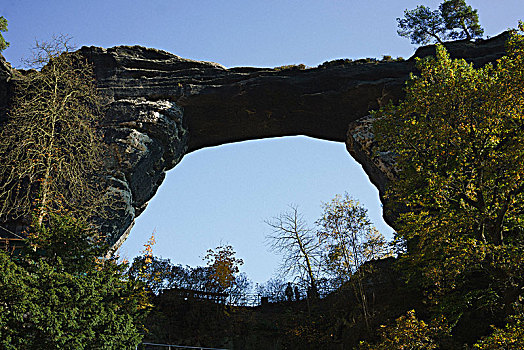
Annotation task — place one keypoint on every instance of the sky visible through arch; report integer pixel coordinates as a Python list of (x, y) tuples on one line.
[(223, 194)]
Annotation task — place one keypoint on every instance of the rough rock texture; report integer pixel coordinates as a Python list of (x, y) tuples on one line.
[(161, 106), (146, 138), (6, 74), (360, 143)]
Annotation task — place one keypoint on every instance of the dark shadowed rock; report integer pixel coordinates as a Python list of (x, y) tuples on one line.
[(161, 106), (6, 74)]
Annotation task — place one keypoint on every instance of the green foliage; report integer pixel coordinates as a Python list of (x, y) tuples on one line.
[(350, 62), (421, 25), (67, 241), (220, 276), (410, 333), (58, 292), (3, 28), (60, 296), (458, 15), (338, 62), (291, 67), (458, 137), (350, 240), (511, 337), (453, 20), (349, 237), (470, 168), (155, 273)]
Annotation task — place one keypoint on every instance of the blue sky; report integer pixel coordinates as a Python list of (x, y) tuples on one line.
[(222, 195)]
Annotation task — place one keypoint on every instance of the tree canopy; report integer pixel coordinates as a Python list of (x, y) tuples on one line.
[(461, 20), (421, 25), (458, 137), (58, 291), (351, 240), (349, 237), (61, 295), (3, 28), (224, 266), (453, 20), (470, 167)]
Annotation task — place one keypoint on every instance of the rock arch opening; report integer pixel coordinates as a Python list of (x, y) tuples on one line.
[(162, 107), (223, 194)]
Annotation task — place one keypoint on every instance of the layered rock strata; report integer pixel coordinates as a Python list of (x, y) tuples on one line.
[(161, 106)]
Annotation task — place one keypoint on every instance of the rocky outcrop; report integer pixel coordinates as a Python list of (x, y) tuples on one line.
[(360, 143), (6, 74), (145, 138), (161, 106)]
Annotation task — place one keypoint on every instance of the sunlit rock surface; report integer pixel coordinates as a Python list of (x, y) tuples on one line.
[(161, 106), (146, 138)]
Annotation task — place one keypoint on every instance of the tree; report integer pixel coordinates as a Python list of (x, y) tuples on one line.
[(238, 292), (60, 296), (471, 165), (65, 241), (49, 149), (459, 140), (453, 20), (458, 15), (410, 333), (157, 273), (273, 289), (351, 240), (57, 292), (223, 265), (511, 337), (349, 236), (223, 274), (421, 25), (199, 278), (3, 28), (297, 242)]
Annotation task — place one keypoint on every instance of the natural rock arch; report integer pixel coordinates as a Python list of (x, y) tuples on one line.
[(161, 106)]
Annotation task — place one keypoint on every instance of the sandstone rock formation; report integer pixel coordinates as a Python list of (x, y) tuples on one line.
[(6, 74), (161, 106)]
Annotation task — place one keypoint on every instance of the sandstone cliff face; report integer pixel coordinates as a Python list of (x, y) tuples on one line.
[(146, 138), (6, 74), (161, 106)]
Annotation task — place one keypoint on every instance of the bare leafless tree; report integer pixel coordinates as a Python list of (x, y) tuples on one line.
[(298, 244), (49, 149)]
